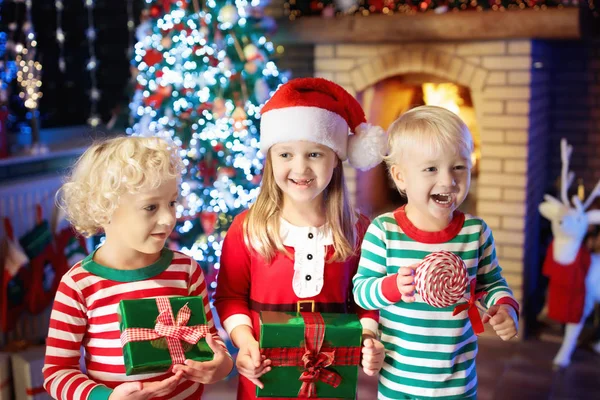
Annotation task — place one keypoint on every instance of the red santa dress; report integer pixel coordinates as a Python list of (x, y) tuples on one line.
[(247, 284)]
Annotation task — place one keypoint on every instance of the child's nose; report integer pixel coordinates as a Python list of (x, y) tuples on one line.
[(300, 165), (167, 218), (448, 179)]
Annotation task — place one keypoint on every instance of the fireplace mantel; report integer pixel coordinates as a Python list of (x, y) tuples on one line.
[(560, 23)]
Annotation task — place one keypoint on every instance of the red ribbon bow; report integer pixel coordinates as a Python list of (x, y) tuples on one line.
[(315, 361), (313, 357), (174, 331), (473, 313)]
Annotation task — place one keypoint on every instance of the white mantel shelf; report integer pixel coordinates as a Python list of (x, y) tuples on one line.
[(559, 23)]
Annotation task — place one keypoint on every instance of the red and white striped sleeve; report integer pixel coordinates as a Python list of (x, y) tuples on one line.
[(63, 378), (198, 287)]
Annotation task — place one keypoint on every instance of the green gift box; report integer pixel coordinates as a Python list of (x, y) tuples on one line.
[(152, 343), (331, 372)]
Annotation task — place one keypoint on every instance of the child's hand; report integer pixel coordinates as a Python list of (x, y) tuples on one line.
[(406, 282), (145, 390), (373, 354), (503, 318), (207, 372), (251, 364)]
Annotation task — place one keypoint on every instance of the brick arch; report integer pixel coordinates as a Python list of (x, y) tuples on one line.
[(438, 63)]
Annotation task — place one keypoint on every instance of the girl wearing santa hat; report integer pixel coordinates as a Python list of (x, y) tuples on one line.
[(297, 247)]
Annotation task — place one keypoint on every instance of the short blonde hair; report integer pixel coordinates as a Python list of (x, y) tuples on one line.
[(430, 127), (261, 226), (110, 168)]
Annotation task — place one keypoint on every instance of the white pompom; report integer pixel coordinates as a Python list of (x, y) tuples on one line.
[(367, 147)]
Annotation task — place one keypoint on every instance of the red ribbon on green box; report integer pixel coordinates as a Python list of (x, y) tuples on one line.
[(174, 330), (314, 357)]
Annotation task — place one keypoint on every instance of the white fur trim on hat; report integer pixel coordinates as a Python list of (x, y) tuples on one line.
[(312, 124), (367, 147)]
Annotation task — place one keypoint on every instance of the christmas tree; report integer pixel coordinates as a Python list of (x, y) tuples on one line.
[(203, 71)]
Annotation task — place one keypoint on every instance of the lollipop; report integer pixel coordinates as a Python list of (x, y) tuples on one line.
[(441, 279)]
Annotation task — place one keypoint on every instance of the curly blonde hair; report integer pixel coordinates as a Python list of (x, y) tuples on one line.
[(110, 168)]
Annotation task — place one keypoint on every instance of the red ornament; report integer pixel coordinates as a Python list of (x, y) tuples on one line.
[(213, 61), (256, 179), (202, 107), (227, 171), (152, 57), (155, 11), (159, 73), (207, 170), (167, 5), (218, 147), (208, 219), (154, 100)]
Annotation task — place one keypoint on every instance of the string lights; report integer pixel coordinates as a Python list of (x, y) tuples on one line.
[(130, 28), (92, 65), (29, 70), (60, 35)]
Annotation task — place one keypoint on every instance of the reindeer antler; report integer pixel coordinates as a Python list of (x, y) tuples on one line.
[(595, 193), (566, 176)]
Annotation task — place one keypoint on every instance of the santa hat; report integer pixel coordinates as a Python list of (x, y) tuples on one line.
[(320, 111)]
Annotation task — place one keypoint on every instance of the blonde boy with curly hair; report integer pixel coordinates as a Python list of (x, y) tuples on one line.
[(127, 188)]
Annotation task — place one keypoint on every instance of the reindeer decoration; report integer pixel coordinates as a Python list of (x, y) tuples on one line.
[(574, 273)]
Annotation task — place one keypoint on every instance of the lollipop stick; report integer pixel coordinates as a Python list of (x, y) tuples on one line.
[(482, 308)]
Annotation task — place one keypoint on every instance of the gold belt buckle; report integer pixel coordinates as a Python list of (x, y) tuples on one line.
[(300, 303)]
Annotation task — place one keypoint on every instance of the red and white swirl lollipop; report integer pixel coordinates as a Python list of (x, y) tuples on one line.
[(441, 279)]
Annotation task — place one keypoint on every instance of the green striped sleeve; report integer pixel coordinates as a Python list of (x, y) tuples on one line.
[(489, 272), (372, 269)]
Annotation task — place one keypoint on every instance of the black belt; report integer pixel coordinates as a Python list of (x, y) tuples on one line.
[(301, 306)]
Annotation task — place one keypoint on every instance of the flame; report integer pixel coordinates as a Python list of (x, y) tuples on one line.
[(447, 95), (442, 95)]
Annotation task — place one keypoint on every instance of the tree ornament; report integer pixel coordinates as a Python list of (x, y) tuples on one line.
[(229, 14), (152, 57), (219, 109), (208, 219), (207, 171), (155, 11), (251, 52), (239, 115), (251, 67), (166, 42)]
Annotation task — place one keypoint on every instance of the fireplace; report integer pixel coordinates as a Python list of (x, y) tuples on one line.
[(524, 83), (497, 76)]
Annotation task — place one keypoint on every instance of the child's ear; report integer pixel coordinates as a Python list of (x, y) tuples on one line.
[(398, 176)]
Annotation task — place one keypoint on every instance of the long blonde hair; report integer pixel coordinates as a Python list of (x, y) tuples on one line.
[(261, 227)]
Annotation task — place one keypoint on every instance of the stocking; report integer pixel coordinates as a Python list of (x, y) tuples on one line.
[(14, 280), (73, 247), (47, 265)]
